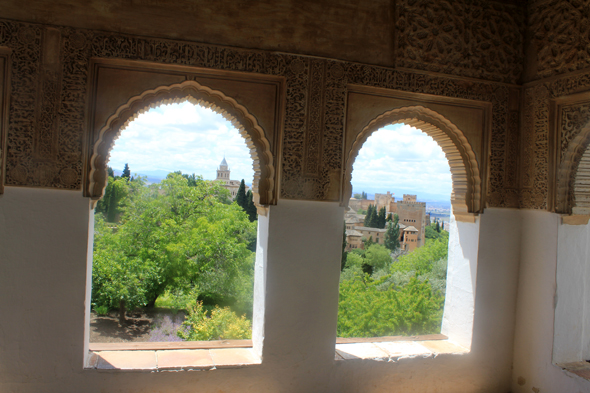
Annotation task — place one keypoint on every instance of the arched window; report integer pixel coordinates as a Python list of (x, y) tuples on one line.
[(262, 184), (465, 195)]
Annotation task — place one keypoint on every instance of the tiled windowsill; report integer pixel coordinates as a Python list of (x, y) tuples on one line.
[(209, 355), (172, 359), (392, 349), (581, 369)]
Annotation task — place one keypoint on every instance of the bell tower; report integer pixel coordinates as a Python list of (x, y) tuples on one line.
[(223, 171)]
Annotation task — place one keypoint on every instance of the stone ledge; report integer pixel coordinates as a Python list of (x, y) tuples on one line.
[(396, 350), (172, 359)]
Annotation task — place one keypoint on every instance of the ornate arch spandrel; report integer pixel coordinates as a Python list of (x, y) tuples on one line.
[(573, 180), (263, 184), (465, 174)]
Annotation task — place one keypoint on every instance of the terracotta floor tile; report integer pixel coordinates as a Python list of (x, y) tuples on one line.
[(361, 351), (234, 357), (127, 360), (184, 358), (443, 346)]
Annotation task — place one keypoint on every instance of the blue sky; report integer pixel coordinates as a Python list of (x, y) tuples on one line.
[(403, 160), (183, 137), (193, 139)]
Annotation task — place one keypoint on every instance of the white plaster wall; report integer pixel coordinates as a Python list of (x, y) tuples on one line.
[(43, 249), (533, 341), (461, 275), (571, 313)]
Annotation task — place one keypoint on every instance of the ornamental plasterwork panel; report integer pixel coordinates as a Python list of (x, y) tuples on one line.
[(48, 107), (573, 138), (545, 142), (4, 86), (480, 39), (560, 35)]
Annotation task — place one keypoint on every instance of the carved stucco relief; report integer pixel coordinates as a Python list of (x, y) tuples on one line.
[(264, 182), (465, 172), (536, 152), (560, 35), (480, 39), (574, 134), (316, 91), (535, 148)]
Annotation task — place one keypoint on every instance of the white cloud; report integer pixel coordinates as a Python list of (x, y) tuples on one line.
[(194, 139), (184, 137), (402, 159)]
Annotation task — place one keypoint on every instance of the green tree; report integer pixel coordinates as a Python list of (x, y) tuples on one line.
[(363, 195), (377, 256), (357, 196), (372, 219), (381, 218), (367, 309), (368, 216), (116, 191), (251, 208), (392, 234), (430, 232), (437, 226), (173, 236), (241, 199), (126, 172), (368, 242), (344, 253)]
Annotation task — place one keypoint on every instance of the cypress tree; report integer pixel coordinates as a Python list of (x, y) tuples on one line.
[(381, 218), (374, 218), (437, 226), (241, 196), (126, 172), (110, 172), (251, 209), (392, 234), (368, 216)]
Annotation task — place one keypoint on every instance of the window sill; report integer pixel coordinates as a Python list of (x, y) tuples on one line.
[(393, 349), (156, 360)]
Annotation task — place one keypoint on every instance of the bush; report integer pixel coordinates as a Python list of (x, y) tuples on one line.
[(366, 309), (221, 324), (101, 310)]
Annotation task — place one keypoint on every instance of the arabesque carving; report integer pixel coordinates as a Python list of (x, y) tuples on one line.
[(481, 39), (573, 193), (311, 149), (465, 173), (264, 183), (560, 31)]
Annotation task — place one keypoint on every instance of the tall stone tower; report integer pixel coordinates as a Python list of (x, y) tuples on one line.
[(223, 172)]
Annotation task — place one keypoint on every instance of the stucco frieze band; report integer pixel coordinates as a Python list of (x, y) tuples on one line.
[(312, 141)]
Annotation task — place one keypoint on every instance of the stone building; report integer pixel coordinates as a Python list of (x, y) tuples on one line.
[(409, 210), (223, 174), (502, 85)]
